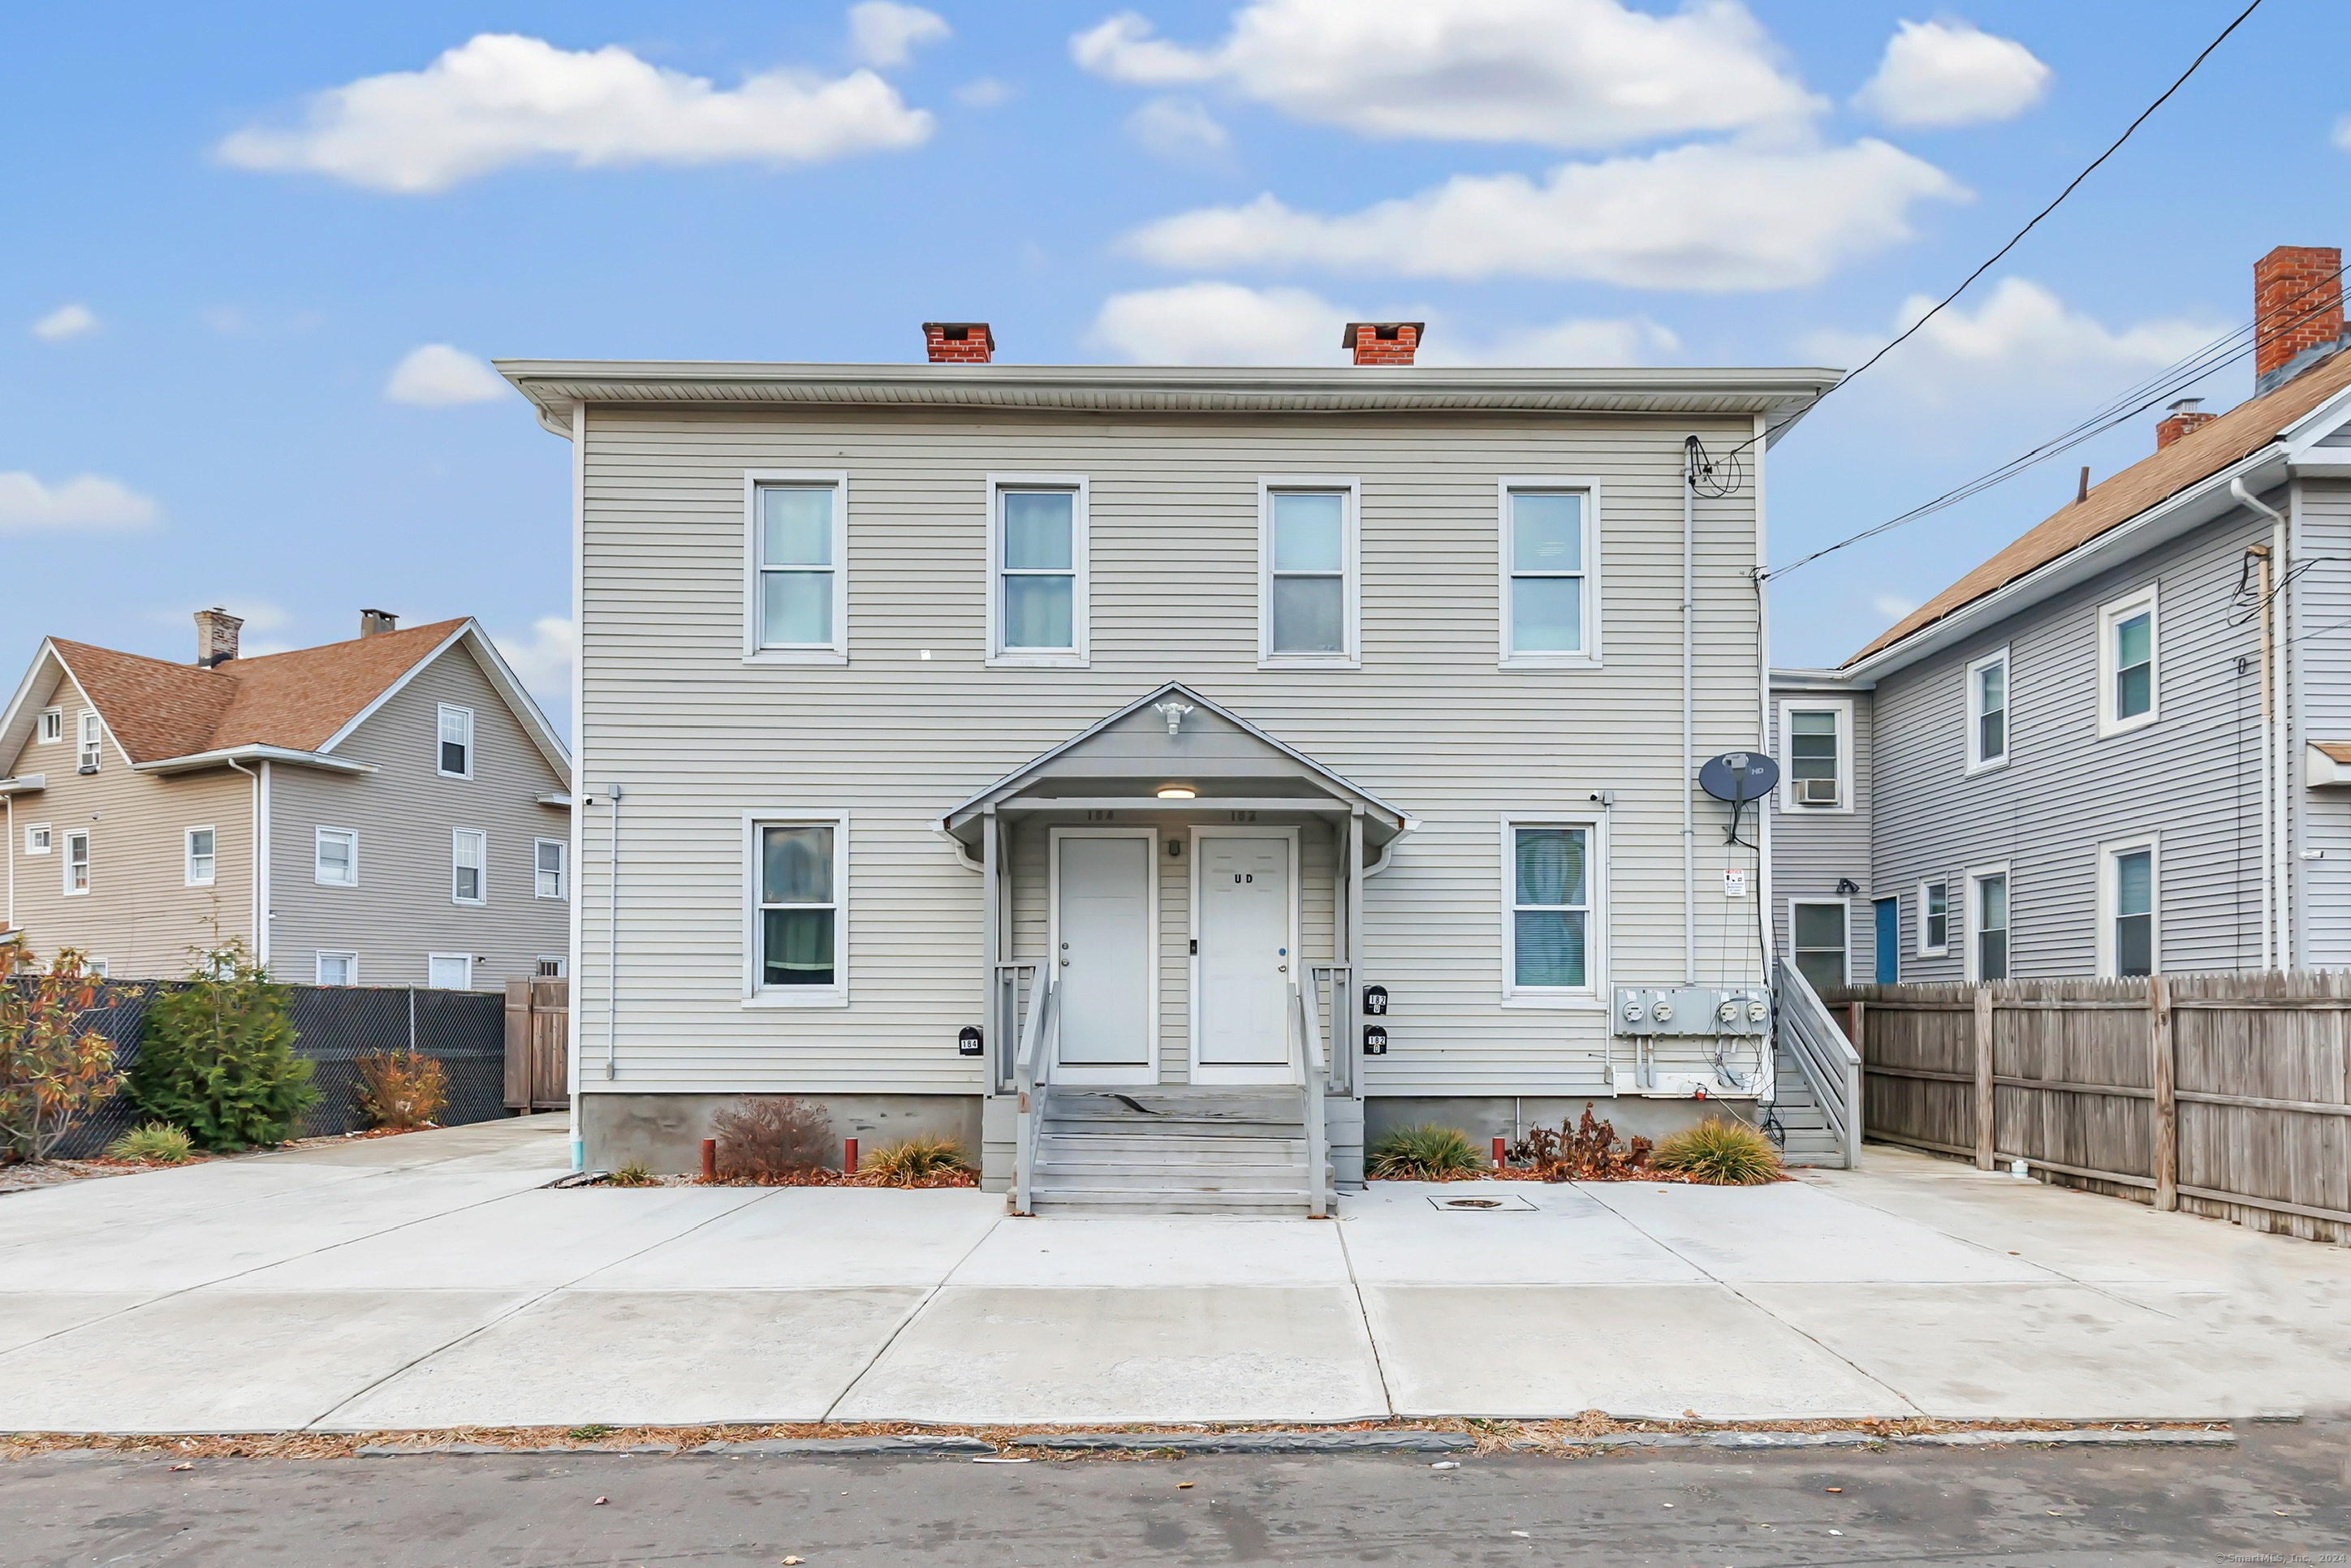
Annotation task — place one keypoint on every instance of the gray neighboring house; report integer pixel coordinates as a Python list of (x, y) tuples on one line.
[(412, 804), (2123, 744), (910, 693)]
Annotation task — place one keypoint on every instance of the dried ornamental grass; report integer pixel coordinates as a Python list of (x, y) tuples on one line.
[(1580, 1151), (912, 1160), (152, 1143), (1422, 1152), (1723, 1153), (402, 1090)]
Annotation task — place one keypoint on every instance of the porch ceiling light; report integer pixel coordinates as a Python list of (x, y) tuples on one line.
[(1179, 792)]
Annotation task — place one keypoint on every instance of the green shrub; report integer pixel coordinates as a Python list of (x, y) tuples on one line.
[(154, 1143), (1726, 1153), (636, 1173), (1422, 1152), (914, 1160), (218, 1056)]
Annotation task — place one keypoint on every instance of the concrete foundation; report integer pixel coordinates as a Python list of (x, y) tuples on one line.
[(1488, 1116), (665, 1131)]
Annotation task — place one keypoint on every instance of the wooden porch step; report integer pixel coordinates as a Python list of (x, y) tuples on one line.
[(1292, 1203)]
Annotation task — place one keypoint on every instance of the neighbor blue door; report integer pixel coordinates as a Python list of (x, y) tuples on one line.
[(1889, 940)]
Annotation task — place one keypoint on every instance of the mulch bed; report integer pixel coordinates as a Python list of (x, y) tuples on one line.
[(799, 1179)]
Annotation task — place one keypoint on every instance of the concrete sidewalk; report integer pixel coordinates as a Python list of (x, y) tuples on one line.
[(429, 1281)]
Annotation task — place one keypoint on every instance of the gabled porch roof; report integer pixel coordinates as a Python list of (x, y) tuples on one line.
[(1176, 738)]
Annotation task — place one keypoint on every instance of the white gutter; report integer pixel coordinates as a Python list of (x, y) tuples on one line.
[(233, 755), (2277, 923), (1689, 712)]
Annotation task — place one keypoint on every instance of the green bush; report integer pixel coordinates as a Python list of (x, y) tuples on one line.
[(154, 1143), (1422, 1152), (636, 1173), (218, 1056), (1726, 1153)]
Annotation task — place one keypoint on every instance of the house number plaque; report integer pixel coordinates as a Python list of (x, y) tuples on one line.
[(1375, 1001), (967, 1041), (1375, 1040)]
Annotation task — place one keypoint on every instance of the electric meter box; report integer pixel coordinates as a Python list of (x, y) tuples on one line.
[(1685, 1010)]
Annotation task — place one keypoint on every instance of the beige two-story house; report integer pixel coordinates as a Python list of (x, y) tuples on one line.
[(409, 802)]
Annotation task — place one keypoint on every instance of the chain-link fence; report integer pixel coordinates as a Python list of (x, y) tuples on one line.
[(334, 1026)]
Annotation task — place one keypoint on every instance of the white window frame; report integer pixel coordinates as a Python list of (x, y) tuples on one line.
[(440, 723), (1843, 708), (51, 729), (45, 844), (89, 740), (83, 834), (1081, 656), (319, 968), (1845, 926), (319, 835), (2111, 615), (539, 962), (1351, 653), (2110, 901), (797, 996), (465, 959), (1592, 996), (98, 968), (837, 650), (457, 836), (562, 868), (1973, 702), (188, 857), (1589, 657), (1968, 918), (1943, 948)]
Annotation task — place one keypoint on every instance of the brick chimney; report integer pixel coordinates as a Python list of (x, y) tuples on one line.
[(217, 635), (1381, 342), (2187, 414), (371, 622), (959, 342), (2297, 309)]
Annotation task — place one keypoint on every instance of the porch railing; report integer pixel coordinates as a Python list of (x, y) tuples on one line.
[(1032, 1070), (1803, 1027), (1313, 1074), (1332, 989), (1011, 994)]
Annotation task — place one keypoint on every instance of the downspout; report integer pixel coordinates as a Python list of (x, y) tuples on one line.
[(577, 832), (1689, 715), (12, 862), (1763, 813), (260, 859), (2277, 935), (612, 949)]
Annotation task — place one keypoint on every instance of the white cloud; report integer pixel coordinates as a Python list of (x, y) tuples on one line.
[(985, 92), (438, 375), (1952, 73), (542, 662), (1893, 606), (1228, 324), (1699, 217), (884, 33), (2343, 133), (65, 321), (1563, 73), (85, 503), (1181, 130), (500, 99), (2021, 327)]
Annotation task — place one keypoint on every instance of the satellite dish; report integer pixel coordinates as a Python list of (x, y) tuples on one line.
[(1738, 776)]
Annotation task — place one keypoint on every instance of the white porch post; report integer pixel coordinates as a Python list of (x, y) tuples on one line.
[(991, 947)]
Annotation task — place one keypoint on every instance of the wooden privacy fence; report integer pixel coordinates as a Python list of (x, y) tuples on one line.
[(2220, 1094), (539, 1044)]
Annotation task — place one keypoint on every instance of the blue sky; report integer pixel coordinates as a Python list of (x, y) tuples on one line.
[(232, 227)]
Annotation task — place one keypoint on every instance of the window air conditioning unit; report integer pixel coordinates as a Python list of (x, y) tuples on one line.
[(1816, 791)]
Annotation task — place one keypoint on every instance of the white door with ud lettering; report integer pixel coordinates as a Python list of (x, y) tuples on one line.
[(1245, 914), (1104, 939)]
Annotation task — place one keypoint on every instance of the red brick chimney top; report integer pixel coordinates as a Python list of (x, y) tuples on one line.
[(2187, 414), (217, 632), (959, 342), (2297, 306), (1381, 342)]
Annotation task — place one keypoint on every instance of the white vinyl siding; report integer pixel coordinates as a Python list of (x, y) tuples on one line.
[(1550, 546), (77, 868), (1039, 570), (550, 875), (453, 756), (338, 969), (1823, 941), (85, 753), (335, 857), (796, 938), (1553, 941), (202, 857), (1988, 709), (449, 971), (1309, 602), (2128, 668), (469, 866), (796, 549)]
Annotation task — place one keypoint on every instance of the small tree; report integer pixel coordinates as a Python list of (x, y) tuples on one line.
[(52, 1070), (401, 1089), (218, 1057)]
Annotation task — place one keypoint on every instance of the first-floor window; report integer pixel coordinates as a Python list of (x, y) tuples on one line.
[(339, 969), (1820, 933), (1550, 909), (547, 864), (2132, 899), (800, 904), (337, 862), (1934, 918), (469, 860), (1990, 933), (77, 862), (552, 967), (201, 860), (449, 971)]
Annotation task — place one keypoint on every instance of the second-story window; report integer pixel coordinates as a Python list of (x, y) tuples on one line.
[(2126, 663), (1307, 601), (1547, 612), (1988, 711), (53, 726), (336, 858), (76, 863), (456, 758), (87, 752), (200, 859), (1039, 550), (798, 547), (548, 877), (469, 860)]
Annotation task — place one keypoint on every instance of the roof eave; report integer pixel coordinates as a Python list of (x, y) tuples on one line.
[(251, 752)]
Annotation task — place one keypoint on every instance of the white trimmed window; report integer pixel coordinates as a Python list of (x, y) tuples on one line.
[(1820, 932), (1037, 563), (339, 969), (335, 861), (454, 757), (1988, 924), (469, 866), (85, 753), (2126, 663), (1307, 599), (1987, 712), (1551, 934), (53, 726), (1548, 571), (99, 969), (551, 966), (797, 549), (2128, 906), (77, 864), (1816, 754), (1934, 918), (798, 909), (200, 857), (38, 839), (549, 875), (449, 971)]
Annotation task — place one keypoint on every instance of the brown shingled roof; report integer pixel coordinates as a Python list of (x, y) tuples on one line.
[(157, 710), (2194, 457)]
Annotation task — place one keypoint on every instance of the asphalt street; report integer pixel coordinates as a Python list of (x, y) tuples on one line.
[(2281, 1497)]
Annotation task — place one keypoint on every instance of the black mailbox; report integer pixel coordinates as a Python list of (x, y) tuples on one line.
[(1375, 1040), (968, 1041), (1376, 1002)]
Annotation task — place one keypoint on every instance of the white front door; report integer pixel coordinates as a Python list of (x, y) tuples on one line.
[(1104, 930), (1247, 924)]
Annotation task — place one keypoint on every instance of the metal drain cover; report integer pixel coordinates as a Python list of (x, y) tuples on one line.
[(1482, 1204)]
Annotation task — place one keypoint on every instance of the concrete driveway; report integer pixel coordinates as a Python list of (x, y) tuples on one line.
[(430, 1280)]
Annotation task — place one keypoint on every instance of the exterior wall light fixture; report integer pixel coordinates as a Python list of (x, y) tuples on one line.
[(1178, 791)]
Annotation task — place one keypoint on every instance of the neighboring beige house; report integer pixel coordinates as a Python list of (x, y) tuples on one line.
[(414, 803), (1219, 706)]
